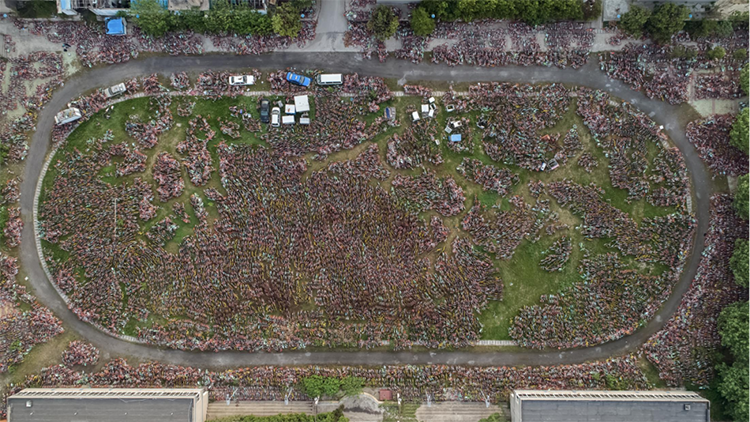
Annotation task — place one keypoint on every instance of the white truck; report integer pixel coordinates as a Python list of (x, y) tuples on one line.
[(115, 90), (68, 115), (242, 80)]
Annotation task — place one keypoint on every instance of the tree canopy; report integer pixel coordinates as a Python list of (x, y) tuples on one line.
[(533, 12), (635, 20), (318, 386), (739, 262), (223, 18), (738, 136), (421, 22), (716, 53), (666, 20), (286, 20), (733, 386), (744, 74), (733, 380), (734, 326), (741, 197), (151, 17), (351, 386), (383, 23)]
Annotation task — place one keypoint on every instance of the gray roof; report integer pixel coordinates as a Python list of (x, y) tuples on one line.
[(612, 411), (100, 410)]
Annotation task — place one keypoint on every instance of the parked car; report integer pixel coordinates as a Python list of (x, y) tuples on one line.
[(275, 117), (265, 108), (297, 79), (242, 80), (115, 90)]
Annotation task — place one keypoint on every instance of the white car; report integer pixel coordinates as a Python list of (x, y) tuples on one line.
[(275, 117), (242, 80), (115, 90)]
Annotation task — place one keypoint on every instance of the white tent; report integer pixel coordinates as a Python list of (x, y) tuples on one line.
[(301, 103)]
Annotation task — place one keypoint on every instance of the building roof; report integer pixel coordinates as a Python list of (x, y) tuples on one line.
[(301, 103), (611, 406), (102, 405)]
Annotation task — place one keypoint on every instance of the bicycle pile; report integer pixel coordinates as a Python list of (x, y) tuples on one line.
[(490, 177), (351, 262), (348, 236), (416, 146), (683, 349), (717, 85), (167, 175), (21, 329), (711, 138), (161, 120), (427, 192), (80, 353), (601, 309), (94, 47), (13, 227), (365, 166), (557, 255)]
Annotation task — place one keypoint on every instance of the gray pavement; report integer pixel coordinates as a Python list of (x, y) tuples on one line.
[(590, 75)]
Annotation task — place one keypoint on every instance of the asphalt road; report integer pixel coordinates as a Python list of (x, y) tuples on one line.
[(665, 114)]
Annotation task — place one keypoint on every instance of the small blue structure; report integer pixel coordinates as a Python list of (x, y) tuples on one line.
[(115, 26), (456, 137)]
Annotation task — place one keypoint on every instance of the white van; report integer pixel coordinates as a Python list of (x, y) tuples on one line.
[(330, 79)]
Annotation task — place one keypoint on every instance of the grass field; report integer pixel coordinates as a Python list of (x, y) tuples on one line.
[(524, 280)]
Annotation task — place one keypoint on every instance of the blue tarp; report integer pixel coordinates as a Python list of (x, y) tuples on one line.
[(115, 26), (456, 137), (65, 4)]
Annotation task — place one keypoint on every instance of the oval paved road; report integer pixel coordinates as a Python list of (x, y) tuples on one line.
[(590, 76)]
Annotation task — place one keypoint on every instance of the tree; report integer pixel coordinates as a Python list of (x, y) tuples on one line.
[(352, 385), (439, 8), (735, 388), (635, 20), (302, 4), (741, 197), (317, 386), (151, 17), (592, 9), (421, 22), (739, 262), (744, 79), (331, 386), (383, 23), (738, 136), (740, 54), (700, 29), (286, 21), (667, 20), (733, 327), (3, 221), (716, 53), (723, 29), (36, 9), (683, 52)]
